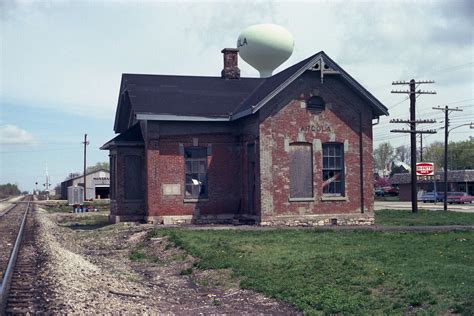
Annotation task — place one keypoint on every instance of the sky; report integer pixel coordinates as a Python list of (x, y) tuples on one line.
[(61, 64)]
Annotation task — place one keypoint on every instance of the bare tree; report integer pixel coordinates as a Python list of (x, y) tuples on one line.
[(402, 153), (383, 155)]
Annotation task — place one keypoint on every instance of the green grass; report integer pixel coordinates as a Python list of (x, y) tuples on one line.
[(58, 208), (353, 272), (422, 218), (85, 221), (387, 198)]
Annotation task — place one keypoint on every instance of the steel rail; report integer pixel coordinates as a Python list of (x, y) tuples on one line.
[(7, 277), (8, 209)]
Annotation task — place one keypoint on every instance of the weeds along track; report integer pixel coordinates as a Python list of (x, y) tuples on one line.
[(19, 291)]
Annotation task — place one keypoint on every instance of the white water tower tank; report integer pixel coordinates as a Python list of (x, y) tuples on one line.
[(265, 47)]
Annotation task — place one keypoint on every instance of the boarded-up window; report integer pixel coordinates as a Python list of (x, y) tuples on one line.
[(195, 165), (301, 170), (132, 177), (333, 169)]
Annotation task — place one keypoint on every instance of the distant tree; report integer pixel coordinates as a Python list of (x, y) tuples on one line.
[(98, 166), (382, 182), (73, 175), (435, 153), (461, 154), (383, 155), (402, 153), (9, 189)]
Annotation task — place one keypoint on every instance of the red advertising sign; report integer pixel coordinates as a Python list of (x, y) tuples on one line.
[(425, 168)]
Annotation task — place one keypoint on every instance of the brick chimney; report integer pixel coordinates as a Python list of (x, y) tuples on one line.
[(231, 57)]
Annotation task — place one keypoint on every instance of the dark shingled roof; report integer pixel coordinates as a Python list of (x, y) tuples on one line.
[(163, 97), (453, 176), (132, 137), (188, 95)]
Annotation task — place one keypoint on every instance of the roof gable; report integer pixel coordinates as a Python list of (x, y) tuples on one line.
[(275, 84)]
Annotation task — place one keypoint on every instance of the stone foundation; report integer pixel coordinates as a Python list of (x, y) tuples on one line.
[(282, 220), (319, 220), (190, 219), (114, 219)]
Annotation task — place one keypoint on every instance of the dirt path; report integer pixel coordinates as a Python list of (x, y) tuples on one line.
[(90, 271)]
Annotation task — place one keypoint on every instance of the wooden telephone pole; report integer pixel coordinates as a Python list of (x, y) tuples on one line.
[(413, 131), (446, 133)]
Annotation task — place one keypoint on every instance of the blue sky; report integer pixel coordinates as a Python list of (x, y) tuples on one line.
[(61, 63)]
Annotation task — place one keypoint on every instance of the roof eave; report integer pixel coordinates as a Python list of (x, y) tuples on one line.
[(240, 114), (109, 145), (171, 117)]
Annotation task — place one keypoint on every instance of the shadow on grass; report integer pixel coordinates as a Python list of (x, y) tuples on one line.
[(87, 223)]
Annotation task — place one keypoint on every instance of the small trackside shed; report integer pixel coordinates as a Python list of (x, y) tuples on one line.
[(291, 149)]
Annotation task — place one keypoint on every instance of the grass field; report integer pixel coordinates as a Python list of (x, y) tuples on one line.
[(348, 272), (422, 217)]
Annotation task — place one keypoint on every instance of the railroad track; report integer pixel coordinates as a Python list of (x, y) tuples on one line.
[(19, 263)]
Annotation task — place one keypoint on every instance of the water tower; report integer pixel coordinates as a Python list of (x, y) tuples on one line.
[(265, 47)]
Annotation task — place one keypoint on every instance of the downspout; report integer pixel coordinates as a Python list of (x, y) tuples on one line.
[(361, 161)]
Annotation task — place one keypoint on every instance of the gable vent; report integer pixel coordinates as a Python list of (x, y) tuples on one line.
[(316, 104)]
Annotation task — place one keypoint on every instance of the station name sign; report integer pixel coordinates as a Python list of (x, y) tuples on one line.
[(425, 169)]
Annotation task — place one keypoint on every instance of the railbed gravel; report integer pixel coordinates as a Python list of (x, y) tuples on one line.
[(89, 272)]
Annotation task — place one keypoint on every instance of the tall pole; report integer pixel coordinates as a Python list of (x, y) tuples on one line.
[(414, 204), (85, 155), (421, 147), (446, 110), (413, 131), (446, 133)]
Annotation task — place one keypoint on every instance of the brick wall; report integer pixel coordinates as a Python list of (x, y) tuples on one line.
[(286, 120), (165, 164)]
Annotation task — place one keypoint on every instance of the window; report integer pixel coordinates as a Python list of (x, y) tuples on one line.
[(301, 171), (195, 161), (333, 169)]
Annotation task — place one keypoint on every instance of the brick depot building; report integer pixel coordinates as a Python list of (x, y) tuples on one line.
[(291, 149)]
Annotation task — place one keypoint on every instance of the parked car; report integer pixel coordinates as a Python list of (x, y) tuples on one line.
[(391, 191), (432, 197), (459, 197), (379, 192)]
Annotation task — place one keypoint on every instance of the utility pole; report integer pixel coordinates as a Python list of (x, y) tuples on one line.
[(446, 110), (85, 155), (412, 92), (421, 147)]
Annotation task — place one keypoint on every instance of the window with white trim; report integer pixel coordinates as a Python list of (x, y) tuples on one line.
[(333, 169), (195, 165)]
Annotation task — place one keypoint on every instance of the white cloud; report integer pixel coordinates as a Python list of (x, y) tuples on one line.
[(11, 134)]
